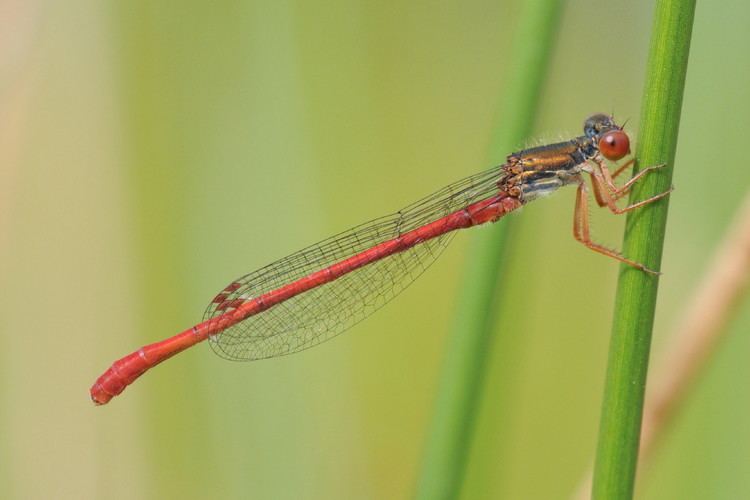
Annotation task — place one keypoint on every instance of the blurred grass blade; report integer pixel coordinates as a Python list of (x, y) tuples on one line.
[(453, 421), (692, 348), (703, 326), (617, 453)]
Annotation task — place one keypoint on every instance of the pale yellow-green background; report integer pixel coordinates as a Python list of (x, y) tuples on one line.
[(150, 152)]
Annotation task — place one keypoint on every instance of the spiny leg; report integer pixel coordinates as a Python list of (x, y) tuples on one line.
[(581, 231), (610, 199), (626, 187), (610, 177), (622, 168), (603, 193), (620, 191), (598, 196)]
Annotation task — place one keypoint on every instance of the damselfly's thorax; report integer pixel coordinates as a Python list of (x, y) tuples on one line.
[(536, 171)]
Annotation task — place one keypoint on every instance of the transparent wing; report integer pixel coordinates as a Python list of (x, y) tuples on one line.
[(321, 313)]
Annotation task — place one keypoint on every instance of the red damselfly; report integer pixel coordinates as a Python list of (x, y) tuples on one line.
[(322, 290)]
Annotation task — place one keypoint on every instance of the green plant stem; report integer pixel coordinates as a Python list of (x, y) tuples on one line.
[(622, 407), (448, 441)]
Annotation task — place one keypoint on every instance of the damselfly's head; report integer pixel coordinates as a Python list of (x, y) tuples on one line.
[(611, 140)]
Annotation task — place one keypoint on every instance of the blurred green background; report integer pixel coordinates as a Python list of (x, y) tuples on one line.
[(150, 152)]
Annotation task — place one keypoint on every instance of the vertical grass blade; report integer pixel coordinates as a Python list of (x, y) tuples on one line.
[(453, 420), (617, 453)]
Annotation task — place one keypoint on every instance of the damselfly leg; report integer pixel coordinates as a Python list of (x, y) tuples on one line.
[(606, 194)]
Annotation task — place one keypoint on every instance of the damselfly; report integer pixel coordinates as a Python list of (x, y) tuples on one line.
[(322, 290)]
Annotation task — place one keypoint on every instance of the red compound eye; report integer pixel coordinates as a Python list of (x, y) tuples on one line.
[(614, 144)]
